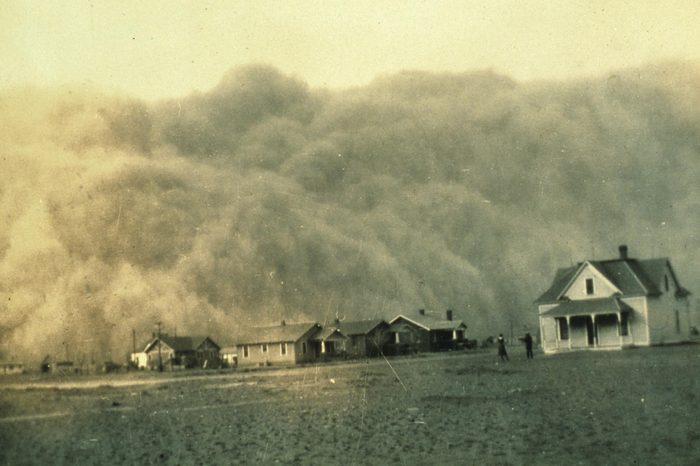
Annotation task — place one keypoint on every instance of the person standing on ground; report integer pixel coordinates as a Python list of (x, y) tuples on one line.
[(528, 345), (502, 353)]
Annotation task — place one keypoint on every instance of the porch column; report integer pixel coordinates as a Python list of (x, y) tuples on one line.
[(568, 329), (595, 331), (619, 327), (454, 335), (323, 346)]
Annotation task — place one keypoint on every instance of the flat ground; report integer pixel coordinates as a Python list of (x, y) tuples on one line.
[(639, 406)]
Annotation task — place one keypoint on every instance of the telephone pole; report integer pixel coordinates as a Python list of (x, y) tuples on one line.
[(160, 357)]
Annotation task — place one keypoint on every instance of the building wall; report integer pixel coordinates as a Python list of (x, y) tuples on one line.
[(11, 368), (360, 346), (602, 288), (638, 322), (608, 330), (273, 355), (306, 350), (548, 330), (669, 319)]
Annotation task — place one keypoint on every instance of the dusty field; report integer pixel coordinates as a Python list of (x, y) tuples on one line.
[(631, 407)]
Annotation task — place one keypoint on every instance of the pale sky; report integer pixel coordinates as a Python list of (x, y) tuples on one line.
[(154, 49)]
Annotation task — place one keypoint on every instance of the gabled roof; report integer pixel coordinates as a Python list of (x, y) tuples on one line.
[(631, 276), (430, 323), (277, 333), (179, 343), (587, 307), (561, 280), (329, 334), (358, 327)]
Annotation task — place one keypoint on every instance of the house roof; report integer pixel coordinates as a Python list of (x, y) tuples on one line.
[(277, 333), (631, 276), (429, 323), (329, 334), (179, 343), (588, 307), (358, 327)]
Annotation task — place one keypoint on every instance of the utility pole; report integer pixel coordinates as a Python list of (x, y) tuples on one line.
[(160, 357)]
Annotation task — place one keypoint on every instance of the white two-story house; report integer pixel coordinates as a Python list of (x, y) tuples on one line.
[(614, 303)]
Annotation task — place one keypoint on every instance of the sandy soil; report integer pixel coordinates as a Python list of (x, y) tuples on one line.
[(626, 407)]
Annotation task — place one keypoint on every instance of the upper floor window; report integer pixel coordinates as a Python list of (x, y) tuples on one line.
[(283, 348), (666, 282), (245, 351), (263, 347), (589, 286)]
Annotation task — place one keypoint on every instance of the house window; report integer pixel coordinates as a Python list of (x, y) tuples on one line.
[(263, 347), (678, 321), (666, 282), (245, 351), (589, 286), (624, 324), (283, 348), (563, 329), (303, 347)]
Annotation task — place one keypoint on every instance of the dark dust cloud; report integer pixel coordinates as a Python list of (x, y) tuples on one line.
[(264, 199)]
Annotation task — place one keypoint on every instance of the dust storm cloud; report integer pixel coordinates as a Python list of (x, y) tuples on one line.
[(264, 199)]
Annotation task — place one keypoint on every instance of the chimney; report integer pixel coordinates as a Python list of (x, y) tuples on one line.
[(421, 312), (283, 323), (623, 251), (449, 314)]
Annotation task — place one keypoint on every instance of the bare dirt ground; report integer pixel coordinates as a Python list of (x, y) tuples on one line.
[(627, 407)]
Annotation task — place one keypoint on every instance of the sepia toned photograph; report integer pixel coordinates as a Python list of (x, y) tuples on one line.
[(306, 232)]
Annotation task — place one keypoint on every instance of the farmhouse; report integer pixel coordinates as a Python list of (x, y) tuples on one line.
[(182, 352), (9, 368), (614, 303), (330, 342), (424, 333), (364, 337), (229, 356), (280, 344)]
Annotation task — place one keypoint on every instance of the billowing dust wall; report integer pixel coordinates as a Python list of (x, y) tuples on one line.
[(264, 199)]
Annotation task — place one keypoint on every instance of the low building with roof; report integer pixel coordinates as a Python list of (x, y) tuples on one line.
[(10, 368), (279, 344), (330, 342), (424, 333), (612, 304), (364, 338), (229, 355), (182, 352)]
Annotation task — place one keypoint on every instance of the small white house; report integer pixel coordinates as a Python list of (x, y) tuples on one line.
[(140, 360), (612, 304)]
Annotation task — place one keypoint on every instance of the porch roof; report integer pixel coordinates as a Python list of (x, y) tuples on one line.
[(588, 307)]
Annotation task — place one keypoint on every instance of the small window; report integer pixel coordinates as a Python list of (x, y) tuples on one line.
[(624, 324), (563, 329), (245, 351), (283, 348), (589, 286), (678, 321), (263, 347), (666, 282), (303, 347)]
